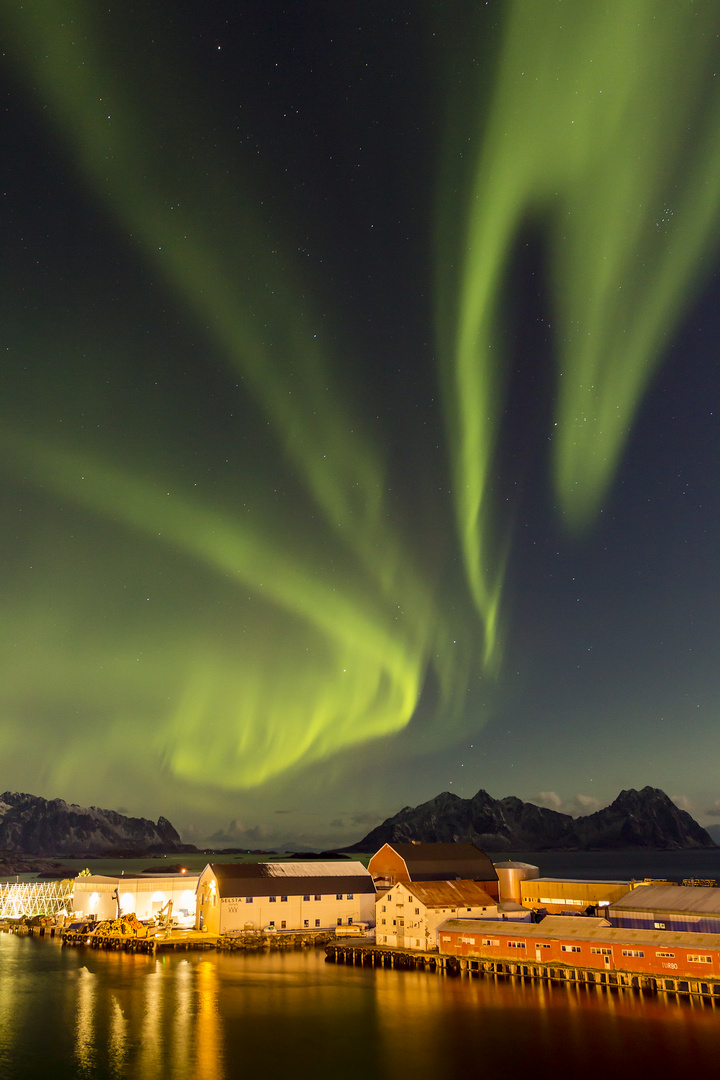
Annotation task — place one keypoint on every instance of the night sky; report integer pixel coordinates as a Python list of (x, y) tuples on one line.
[(360, 407)]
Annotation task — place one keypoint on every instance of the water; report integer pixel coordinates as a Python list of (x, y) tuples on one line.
[(79, 1013)]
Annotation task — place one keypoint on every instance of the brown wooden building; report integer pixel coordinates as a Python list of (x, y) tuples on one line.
[(399, 862)]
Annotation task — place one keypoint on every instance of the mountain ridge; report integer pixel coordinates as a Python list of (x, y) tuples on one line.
[(31, 825), (635, 819)]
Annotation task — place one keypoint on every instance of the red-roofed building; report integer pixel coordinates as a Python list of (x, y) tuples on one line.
[(416, 862), (409, 914)]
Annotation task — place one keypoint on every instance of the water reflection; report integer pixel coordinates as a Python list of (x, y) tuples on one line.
[(187, 1017)]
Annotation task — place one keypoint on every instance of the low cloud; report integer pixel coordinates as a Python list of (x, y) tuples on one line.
[(549, 799), (365, 817), (714, 810), (683, 802)]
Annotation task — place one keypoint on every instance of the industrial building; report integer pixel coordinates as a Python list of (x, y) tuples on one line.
[(106, 897), (558, 896), (511, 875), (414, 861), (408, 915), (234, 898), (668, 907), (581, 941)]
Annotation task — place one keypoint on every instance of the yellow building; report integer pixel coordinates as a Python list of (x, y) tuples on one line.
[(560, 896), (409, 914)]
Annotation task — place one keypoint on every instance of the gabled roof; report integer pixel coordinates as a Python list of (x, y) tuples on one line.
[(263, 879), (435, 862), (582, 928), (448, 893), (671, 899)]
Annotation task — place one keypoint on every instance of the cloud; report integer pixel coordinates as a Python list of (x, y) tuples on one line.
[(683, 802), (283, 811), (337, 823), (550, 799), (714, 810), (365, 817)]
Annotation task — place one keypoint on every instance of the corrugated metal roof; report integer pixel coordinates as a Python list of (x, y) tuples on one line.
[(429, 862), (673, 899), (583, 928), (576, 881), (260, 879), (449, 893), (290, 869)]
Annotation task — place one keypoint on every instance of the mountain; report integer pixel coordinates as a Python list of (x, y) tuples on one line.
[(30, 825), (636, 819)]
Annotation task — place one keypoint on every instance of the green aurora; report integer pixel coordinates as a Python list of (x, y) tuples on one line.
[(265, 649)]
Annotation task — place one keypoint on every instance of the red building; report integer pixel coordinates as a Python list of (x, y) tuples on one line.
[(567, 941), (433, 862)]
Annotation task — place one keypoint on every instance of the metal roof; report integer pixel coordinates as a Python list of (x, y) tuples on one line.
[(672, 899), (583, 928), (258, 879), (430, 862), (448, 893)]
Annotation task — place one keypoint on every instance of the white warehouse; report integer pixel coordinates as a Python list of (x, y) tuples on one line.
[(143, 894), (313, 896)]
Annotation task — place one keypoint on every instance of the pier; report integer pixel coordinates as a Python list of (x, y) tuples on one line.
[(368, 954)]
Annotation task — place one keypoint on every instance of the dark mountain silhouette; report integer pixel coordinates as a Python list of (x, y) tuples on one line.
[(30, 825), (636, 819)]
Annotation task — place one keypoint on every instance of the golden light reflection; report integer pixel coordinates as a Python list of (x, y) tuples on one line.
[(150, 1061), (182, 1024), (85, 1023), (118, 1040), (209, 1054)]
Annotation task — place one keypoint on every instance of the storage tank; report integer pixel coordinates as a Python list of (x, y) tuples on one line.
[(510, 875)]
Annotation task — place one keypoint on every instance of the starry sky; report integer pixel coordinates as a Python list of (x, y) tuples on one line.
[(359, 410)]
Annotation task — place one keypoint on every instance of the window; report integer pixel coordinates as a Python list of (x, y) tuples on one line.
[(283, 899), (338, 896), (666, 955), (383, 908), (272, 923), (600, 952), (306, 922), (570, 948), (306, 896), (382, 922), (283, 925), (417, 910), (351, 896), (349, 922), (659, 925), (697, 958), (516, 944), (318, 896), (273, 899), (487, 941), (317, 922), (339, 922), (634, 952), (446, 937), (248, 899)]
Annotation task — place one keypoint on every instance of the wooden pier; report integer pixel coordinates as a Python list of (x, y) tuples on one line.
[(369, 954)]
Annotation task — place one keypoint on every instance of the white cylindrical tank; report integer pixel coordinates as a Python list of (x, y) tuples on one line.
[(510, 875)]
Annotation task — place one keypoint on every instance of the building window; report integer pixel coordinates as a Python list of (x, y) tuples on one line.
[(350, 922), (272, 923), (351, 896), (666, 955), (318, 896), (273, 899), (283, 899), (382, 922), (486, 941), (317, 922), (635, 952), (659, 925), (417, 910), (516, 944), (338, 896), (248, 899), (306, 922), (697, 958), (307, 896), (339, 922), (570, 948), (600, 952), (283, 925), (383, 908)]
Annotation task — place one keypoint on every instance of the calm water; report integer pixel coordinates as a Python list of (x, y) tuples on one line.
[(77, 1013)]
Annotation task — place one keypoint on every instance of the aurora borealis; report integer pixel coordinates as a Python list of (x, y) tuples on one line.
[(359, 414)]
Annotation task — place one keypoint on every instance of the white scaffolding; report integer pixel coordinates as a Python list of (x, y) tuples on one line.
[(36, 898)]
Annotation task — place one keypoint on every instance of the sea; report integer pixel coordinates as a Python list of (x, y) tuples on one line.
[(72, 1013)]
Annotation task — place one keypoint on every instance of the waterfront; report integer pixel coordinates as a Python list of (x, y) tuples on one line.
[(78, 1013)]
